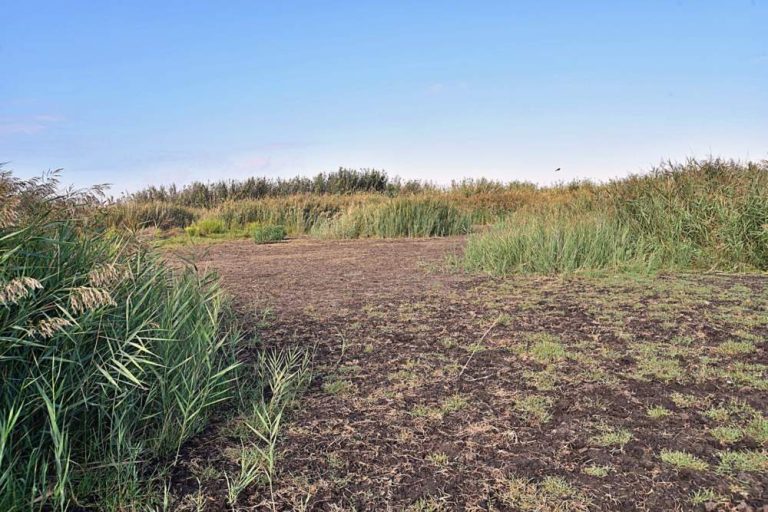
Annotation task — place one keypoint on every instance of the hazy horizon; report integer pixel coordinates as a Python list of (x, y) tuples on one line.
[(145, 94)]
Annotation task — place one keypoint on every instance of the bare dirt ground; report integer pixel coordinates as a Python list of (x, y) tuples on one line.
[(433, 389)]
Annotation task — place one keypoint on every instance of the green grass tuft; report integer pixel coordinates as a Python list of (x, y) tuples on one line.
[(207, 227), (268, 234), (683, 460)]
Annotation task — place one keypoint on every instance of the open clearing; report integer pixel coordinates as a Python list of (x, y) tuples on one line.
[(433, 389)]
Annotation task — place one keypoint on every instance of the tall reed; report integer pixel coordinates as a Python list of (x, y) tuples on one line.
[(399, 217), (108, 360), (709, 214)]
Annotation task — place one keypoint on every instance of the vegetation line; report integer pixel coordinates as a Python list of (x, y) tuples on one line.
[(698, 215)]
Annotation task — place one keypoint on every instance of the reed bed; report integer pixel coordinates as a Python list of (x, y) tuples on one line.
[(411, 217), (109, 360), (708, 215)]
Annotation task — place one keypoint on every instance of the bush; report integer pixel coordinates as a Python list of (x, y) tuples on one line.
[(109, 361), (267, 234)]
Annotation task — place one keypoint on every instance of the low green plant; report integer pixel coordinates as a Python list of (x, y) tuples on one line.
[(454, 403), (438, 459), (535, 408), (735, 348), (683, 460), (612, 437), (757, 429), (268, 234), (720, 414), (551, 493), (546, 348), (279, 377), (596, 471), (686, 401), (657, 412), (704, 496), (338, 386), (206, 227), (662, 369), (727, 434), (746, 461)]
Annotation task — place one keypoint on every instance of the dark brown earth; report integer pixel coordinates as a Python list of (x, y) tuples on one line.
[(434, 389)]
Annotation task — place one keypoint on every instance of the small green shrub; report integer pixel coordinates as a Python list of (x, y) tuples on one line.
[(268, 234)]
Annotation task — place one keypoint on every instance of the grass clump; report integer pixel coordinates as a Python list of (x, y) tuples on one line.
[(596, 471), (612, 437), (720, 414), (546, 348), (746, 461), (109, 361), (425, 411), (683, 460), (727, 434), (541, 380), (439, 459), (535, 408), (735, 348), (704, 496), (454, 403), (552, 493), (268, 234), (660, 368), (206, 227), (686, 401), (338, 386), (757, 429), (657, 412)]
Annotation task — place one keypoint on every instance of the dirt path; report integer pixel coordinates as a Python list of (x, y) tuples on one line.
[(438, 390)]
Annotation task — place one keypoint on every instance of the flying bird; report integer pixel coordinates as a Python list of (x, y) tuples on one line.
[(557, 170)]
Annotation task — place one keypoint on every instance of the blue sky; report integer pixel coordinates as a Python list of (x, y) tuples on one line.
[(137, 93)]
